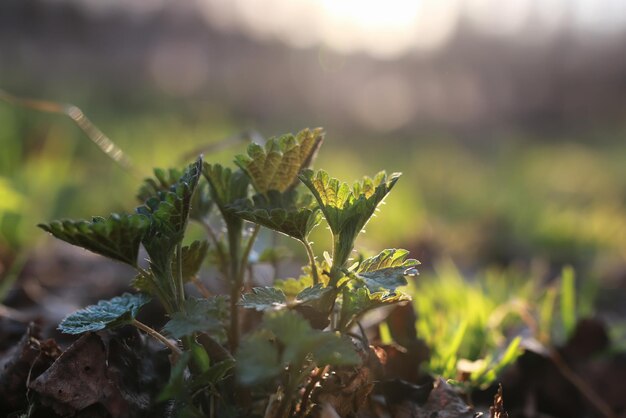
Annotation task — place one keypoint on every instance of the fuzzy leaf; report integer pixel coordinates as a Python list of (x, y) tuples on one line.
[(288, 213), (313, 293), (197, 315), (387, 270), (117, 237), (118, 311), (276, 166), (169, 213), (357, 301), (257, 360), (347, 209), (162, 181), (263, 299)]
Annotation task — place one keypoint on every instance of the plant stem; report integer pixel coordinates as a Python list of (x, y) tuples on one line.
[(176, 352), (179, 275), (247, 249), (311, 255), (213, 237), (234, 246)]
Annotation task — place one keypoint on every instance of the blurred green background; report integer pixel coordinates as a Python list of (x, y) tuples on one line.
[(512, 141)]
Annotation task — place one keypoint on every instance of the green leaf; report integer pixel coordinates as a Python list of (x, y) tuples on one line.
[(288, 213), (175, 387), (168, 213), (357, 301), (291, 287), (387, 270), (213, 375), (201, 202), (162, 182), (118, 311), (117, 237), (197, 315), (276, 166), (263, 299), (301, 341), (347, 209), (313, 293), (227, 186), (257, 360), (192, 257)]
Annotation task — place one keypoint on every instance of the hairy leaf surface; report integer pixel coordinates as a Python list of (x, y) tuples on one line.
[(357, 301), (118, 311), (347, 209), (197, 315), (117, 237), (288, 213), (264, 298), (387, 270), (276, 166)]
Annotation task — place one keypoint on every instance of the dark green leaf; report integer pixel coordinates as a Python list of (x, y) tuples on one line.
[(201, 202), (118, 311), (313, 293), (162, 182), (357, 301), (347, 209), (387, 270), (197, 315), (213, 375), (175, 387), (117, 237), (332, 349), (263, 299), (276, 166), (257, 360), (288, 213), (168, 213)]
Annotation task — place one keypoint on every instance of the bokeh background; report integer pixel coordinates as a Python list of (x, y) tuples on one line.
[(508, 119)]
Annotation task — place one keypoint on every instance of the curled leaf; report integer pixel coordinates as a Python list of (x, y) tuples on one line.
[(276, 166)]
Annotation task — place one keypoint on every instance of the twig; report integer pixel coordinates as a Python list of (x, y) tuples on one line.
[(581, 385), (176, 352)]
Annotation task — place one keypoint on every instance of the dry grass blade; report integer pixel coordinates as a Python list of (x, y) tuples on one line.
[(93, 133)]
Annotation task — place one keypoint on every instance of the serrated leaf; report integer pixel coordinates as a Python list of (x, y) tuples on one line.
[(169, 213), (263, 299), (289, 213), (117, 237), (197, 315), (357, 301), (257, 360), (387, 270), (276, 166), (161, 182), (347, 209), (192, 257), (334, 350), (313, 293), (227, 186), (201, 202), (118, 311)]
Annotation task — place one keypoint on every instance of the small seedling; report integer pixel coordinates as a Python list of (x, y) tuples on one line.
[(305, 330)]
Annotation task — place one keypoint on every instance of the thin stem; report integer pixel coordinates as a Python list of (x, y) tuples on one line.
[(206, 293), (213, 237), (234, 246), (247, 250), (179, 275), (581, 385), (311, 255), (176, 352)]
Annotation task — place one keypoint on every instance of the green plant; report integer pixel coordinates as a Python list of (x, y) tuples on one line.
[(306, 322)]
